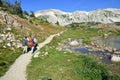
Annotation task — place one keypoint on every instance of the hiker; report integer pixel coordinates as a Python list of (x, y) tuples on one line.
[(25, 44), (31, 44), (35, 44)]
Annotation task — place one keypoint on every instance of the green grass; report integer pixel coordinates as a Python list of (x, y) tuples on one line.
[(7, 57), (65, 66), (62, 65), (79, 32), (9, 54)]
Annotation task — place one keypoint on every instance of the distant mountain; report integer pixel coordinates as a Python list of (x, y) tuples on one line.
[(64, 18)]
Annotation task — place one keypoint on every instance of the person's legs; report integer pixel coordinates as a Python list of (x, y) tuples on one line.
[(35, 48), (32, 49), (26, 47)]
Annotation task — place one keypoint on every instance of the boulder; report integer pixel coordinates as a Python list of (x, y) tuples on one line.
[(36, 54), (9, 44), (1, 41), (115, 58), (74, 43), (117, 53)]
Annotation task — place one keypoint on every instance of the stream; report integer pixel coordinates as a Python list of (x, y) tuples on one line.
[(105, 56)]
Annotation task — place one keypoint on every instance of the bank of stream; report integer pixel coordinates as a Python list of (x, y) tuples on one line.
[(101, 48)]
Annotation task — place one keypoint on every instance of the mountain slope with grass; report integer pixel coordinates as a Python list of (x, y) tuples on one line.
[(12, 30)]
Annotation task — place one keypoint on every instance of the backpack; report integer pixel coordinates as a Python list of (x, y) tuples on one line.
[(31, 42)]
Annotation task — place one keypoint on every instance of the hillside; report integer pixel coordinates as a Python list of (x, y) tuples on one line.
[(13, 29), (65, 18)]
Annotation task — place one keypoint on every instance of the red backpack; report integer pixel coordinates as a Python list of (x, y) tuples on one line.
[(31, 42)]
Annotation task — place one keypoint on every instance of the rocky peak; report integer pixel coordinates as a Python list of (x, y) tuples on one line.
[(109, 15)]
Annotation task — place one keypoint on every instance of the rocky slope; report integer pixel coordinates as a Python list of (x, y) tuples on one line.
[(14, 28), (65, 18)]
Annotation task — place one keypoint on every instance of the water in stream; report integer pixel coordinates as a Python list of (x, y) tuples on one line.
[(114, 42), (106, 56)]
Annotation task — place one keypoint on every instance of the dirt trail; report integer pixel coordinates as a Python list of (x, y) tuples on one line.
[(18, 70)]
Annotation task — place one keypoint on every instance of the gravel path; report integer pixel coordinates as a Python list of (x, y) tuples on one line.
[(18, 70)]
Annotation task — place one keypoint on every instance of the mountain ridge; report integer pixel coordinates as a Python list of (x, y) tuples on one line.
[(109, 15)]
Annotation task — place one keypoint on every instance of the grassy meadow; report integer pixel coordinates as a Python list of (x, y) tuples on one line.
[(63, 65)]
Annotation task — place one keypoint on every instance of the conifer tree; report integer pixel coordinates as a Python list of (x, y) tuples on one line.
[(1, 4), (17, 7), (32, 14)]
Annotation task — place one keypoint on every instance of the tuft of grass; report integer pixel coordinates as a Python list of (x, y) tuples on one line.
[(86, 41)]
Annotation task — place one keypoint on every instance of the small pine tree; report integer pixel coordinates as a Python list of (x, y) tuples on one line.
[(6, 4), (57, 23), (32, 14), (1, 4), (25, 12), (17, 8)]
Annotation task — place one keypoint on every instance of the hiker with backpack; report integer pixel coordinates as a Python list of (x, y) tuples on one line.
[(31, 44), (35, 44), (25, 44)]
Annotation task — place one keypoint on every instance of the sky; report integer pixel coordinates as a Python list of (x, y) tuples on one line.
[(68, 5)]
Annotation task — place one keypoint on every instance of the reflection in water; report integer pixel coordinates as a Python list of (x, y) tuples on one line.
[(87, 51), (114, 42)]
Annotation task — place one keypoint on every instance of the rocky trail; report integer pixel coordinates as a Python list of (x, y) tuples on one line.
[(18, 70)]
